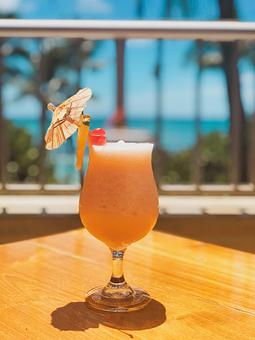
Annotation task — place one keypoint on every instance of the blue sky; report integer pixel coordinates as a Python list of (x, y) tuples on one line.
[(178, 74)]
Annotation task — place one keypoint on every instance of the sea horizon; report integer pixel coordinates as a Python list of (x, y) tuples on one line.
[(177, 134)]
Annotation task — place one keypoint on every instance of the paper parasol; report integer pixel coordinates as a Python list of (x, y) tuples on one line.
[(66, 118)]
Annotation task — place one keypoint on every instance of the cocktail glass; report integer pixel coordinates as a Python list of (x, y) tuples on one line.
[(119, 205)]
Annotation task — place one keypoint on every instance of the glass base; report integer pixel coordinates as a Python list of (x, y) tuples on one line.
[(137, 300)]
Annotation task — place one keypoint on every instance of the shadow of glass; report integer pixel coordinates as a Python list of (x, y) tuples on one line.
[(77, 316)]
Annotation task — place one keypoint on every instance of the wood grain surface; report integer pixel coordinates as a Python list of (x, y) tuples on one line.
[(200, 291)]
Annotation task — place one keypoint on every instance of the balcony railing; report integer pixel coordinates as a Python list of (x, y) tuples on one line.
[(120, 31), (128, 29)]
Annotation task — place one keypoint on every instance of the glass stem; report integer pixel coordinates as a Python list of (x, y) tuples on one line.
[(117, 277), (117, 287)]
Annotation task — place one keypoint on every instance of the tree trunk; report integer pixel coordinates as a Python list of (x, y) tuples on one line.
[(3, 141), (158, 74), (197, 149), (119, 118), (237, 114), (159, 89), (252, 141), (78, 69), (41, 71)]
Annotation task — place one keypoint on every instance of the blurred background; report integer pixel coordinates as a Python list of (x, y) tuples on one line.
[(194, 99), (183, 95)]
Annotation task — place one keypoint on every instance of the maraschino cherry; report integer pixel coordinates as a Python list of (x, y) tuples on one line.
[(97, 136)]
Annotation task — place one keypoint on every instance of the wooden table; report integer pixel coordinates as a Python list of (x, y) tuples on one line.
[(200, 291)]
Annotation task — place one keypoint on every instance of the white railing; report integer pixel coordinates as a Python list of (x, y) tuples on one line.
[(129, 29)]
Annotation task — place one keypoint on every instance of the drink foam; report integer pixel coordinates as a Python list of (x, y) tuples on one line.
[(122, 146)]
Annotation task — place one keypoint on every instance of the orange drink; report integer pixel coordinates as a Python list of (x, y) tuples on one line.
[(119, 201), (118, 205)]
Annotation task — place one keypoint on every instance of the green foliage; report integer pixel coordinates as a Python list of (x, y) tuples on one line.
[(177, 167), (214, 160), (23, 157)]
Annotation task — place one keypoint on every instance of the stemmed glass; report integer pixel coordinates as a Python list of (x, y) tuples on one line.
[(119, 205)]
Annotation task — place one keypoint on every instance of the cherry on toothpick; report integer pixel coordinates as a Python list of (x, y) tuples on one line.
[(97, 136)]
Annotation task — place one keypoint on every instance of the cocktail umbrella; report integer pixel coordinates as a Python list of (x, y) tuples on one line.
[(67, 117)]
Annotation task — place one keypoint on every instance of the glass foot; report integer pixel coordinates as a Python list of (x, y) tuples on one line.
[(98, 300)]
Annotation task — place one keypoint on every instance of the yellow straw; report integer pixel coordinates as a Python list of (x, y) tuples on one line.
[(82, 138)]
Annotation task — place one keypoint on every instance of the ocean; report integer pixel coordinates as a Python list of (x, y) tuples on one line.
[(176, 135)]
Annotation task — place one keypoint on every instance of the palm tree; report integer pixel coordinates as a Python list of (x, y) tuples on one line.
[(237, 114), (2, 125), (247, 50), (7, 72), (3, 146), (51, 61), (227, 60), (56, 69), (206, 55), (50, 72), (166, 8)]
